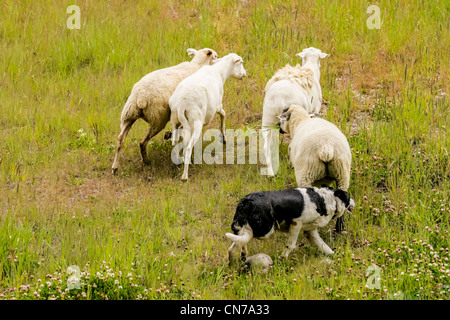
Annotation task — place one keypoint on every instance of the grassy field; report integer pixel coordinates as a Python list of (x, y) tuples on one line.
[(144, 234)]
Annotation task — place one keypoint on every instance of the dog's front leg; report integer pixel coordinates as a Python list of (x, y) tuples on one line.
[(316, 240), (294, 230), (244, 252)]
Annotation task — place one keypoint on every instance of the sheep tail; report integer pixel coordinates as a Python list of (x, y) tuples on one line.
[(130, 111), (181, 113), (326, 153)]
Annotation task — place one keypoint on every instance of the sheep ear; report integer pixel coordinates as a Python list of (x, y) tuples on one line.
[(286, 115), (191, 52), (323, 55), (237, 60), (301, 55)]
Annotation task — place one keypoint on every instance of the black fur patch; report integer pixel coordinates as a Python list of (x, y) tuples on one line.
[(266, 209), (318, 200), (343, 196)]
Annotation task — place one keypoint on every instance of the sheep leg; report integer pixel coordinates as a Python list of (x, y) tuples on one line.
[(176, 135), (316, 240), (307, 172), (125, 128), (302, 181), (222, 125), (267, 138), (143, 144), (176, 132), (294, 230), (197, 130)]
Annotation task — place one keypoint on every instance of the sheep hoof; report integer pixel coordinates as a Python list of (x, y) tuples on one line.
[(114, 171)]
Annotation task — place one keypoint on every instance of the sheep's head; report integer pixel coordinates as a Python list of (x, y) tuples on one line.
[(291, 117), (203, 56), (237, 68), (312, 55)]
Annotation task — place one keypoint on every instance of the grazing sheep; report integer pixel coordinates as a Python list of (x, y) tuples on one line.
[(149, 99), (319, 151), (198, 98), (298, 85)]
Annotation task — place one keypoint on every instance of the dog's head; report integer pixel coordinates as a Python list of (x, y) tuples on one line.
[(343, 202)]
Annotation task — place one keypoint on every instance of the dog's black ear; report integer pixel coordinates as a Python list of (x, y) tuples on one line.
[(344, 196)]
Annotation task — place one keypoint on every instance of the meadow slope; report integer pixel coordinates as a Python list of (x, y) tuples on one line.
[(144, 234)]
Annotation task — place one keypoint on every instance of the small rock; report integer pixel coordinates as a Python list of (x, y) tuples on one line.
[(259, 262)]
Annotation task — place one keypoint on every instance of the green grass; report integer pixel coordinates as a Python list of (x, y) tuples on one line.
[(146, 235)]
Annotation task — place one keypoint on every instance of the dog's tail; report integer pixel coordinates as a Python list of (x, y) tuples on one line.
[(242, 239)]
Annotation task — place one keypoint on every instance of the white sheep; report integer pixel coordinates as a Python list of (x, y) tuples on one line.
[(319, 151), (299, 85), (198, 98), (149, 99)]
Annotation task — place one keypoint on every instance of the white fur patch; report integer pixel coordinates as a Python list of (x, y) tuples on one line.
[(304, 77)]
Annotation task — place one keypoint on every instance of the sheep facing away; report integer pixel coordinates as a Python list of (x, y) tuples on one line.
[(198, 98), (299, 85), (149, 99), (319, 151)]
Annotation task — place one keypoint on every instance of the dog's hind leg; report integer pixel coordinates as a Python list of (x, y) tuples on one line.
[(294, 230), (244, 252), (316, 240)]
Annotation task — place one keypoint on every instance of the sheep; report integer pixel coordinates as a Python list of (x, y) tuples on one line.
[(198, 98), (149, 99), (318, 151), (298, 85)]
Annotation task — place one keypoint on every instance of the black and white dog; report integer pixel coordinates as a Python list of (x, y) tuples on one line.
[(258, 214)]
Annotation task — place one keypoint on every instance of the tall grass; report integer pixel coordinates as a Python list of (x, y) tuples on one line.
[(146, 235)]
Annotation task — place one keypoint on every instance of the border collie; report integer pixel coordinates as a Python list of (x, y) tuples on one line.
[(258, 214)]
